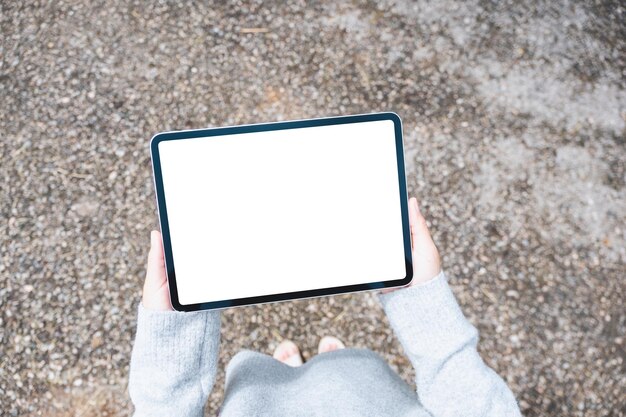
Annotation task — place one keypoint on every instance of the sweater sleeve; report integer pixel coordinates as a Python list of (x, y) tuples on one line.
[(450, 376), (174, 362)]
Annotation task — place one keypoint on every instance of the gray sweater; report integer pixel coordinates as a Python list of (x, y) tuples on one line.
[(174, 363)]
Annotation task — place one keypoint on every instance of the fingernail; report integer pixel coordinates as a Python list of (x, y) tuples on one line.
[(152, 238)]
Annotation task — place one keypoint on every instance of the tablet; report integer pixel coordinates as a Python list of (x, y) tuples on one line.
[(277, 211)]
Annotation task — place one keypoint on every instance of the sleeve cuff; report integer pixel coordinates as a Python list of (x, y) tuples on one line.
[(177, 339), (174, 362), (421, 287), (427, 318)]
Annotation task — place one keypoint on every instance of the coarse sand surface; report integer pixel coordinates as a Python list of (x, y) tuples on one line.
[(514, 120)]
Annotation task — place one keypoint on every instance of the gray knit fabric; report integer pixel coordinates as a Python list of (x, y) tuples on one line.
[(174, 363)]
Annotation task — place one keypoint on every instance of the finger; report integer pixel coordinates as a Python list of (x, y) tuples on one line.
[(414, 220), (419, 229), (155, 289), (155, 276), (425, 252)]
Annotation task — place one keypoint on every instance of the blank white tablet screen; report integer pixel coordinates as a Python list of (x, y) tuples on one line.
[(272, 212)]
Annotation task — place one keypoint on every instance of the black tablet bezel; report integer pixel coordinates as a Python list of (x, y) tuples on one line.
[(296, 124)]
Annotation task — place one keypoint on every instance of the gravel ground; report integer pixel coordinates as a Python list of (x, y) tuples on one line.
[(514, 119)]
